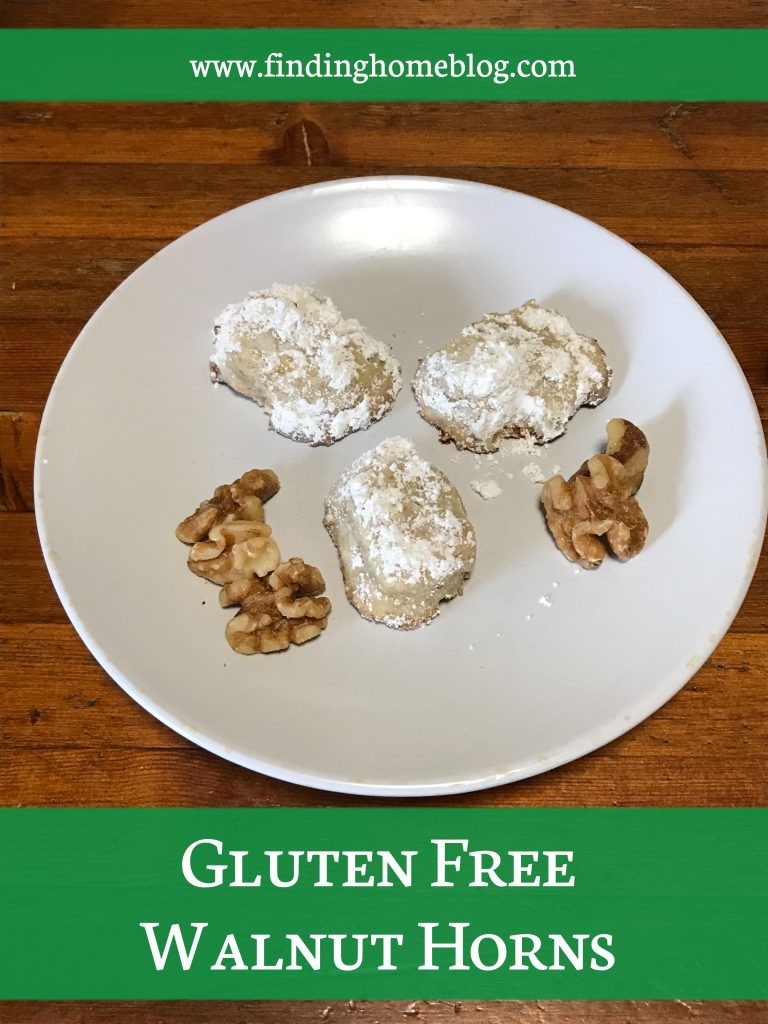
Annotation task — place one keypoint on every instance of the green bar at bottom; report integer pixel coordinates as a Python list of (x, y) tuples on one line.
[(328, 904)]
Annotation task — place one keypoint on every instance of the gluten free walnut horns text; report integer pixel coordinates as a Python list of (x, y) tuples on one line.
[(232, 546), (596, 509)]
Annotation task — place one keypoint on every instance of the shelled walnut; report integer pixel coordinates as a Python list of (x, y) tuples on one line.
[(232, 546), (227, 532), (238, 549), (596, 509), (243, 499), (274, 613)]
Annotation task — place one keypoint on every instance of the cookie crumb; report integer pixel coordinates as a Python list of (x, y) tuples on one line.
[(533, 473), (487, 489)]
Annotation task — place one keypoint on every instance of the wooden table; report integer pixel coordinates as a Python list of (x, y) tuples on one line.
[(91, 191)]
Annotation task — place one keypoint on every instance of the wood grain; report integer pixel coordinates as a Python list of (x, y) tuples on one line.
[(58, 286), (18, 435), (405, 1012), (90, 191), (652, 136), (679, 206), (383, 14), (84, 709)]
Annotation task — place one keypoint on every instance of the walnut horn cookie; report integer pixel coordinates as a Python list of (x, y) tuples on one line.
[(286, 608), (232, 546), (596, 510), (405, 542), (519, 374), (318, 374)]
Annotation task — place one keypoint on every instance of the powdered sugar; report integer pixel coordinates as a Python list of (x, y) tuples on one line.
[(520, 446), (524, 373), (319, 374), (413, 547), (534, 473), (487, 489), (402, 534)]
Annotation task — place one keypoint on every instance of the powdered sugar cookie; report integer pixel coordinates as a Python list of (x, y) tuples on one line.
[(518, 374), (402, 533), (319, 375)]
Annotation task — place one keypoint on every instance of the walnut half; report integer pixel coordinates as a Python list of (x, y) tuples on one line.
[(243, 499), (274, 613), (237, 549), (596, 509), (280, 603), (229, 537)]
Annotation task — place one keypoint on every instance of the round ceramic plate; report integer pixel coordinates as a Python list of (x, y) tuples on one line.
[(537, 663)]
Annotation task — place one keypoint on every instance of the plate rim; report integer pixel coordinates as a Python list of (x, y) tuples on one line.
[(587, 742)]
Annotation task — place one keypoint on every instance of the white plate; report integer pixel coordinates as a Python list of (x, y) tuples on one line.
[(500, 686)]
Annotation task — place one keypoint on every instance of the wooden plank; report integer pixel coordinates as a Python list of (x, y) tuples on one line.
[(35, 349), (69, 280), (652, 136), (44, 284), (51, 290), (18, 436), (31, 352), (56, 695), (385, 13), (169, 777), (99, 200), (392, 1012), (26, 591)]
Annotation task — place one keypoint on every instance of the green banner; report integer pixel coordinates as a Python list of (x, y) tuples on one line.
[(380, 904), (384, 64)]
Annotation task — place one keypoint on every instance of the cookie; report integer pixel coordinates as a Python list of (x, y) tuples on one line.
[(404, 540), (318, 375), (523, 373)]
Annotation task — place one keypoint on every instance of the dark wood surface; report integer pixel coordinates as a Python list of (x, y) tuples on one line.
[(88, 192), (381, 14)]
